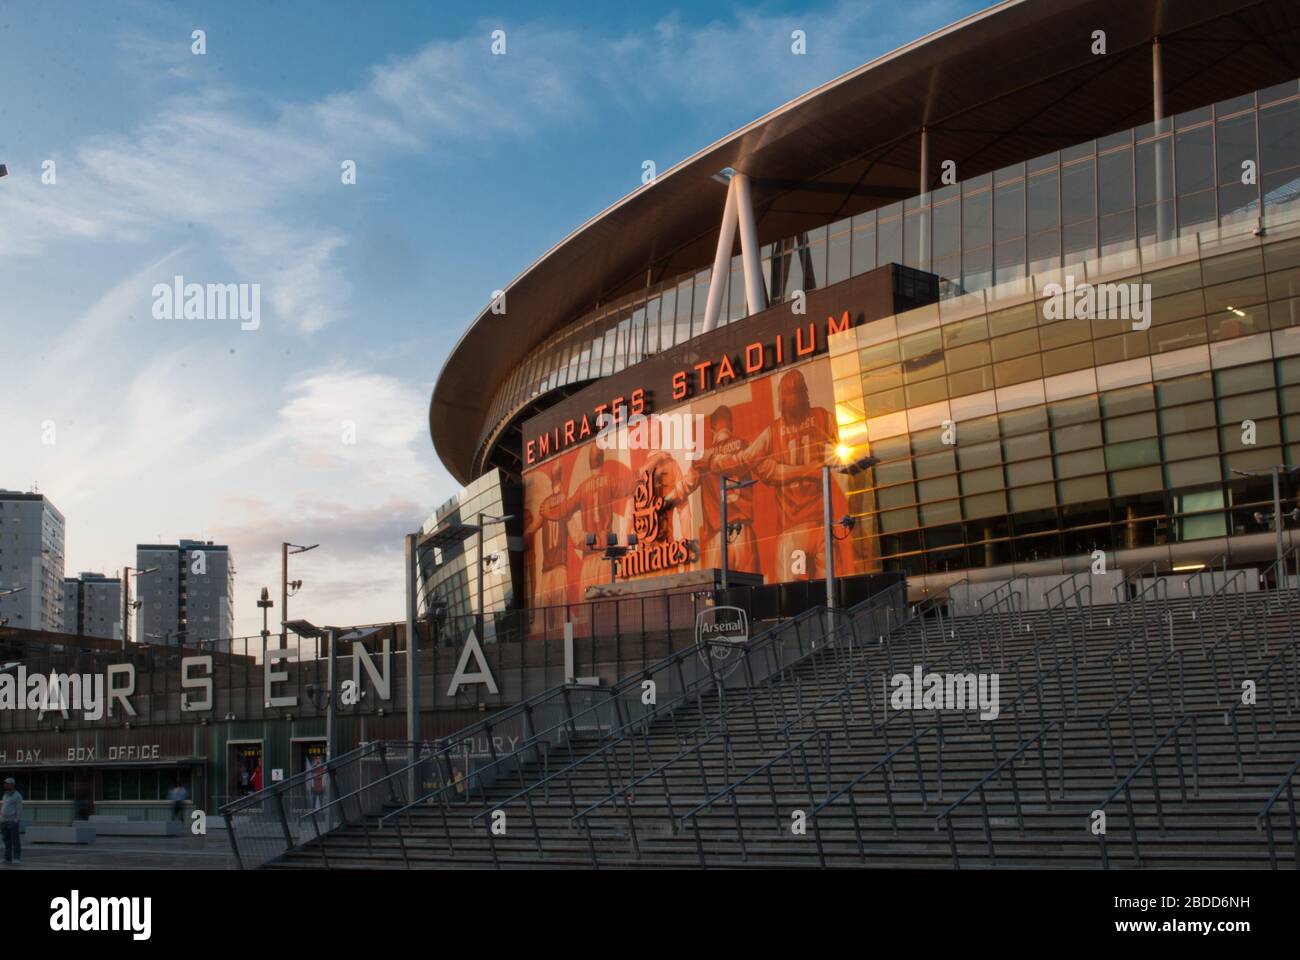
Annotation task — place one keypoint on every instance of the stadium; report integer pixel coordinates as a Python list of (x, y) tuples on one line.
[(870, 270), (906, 479)]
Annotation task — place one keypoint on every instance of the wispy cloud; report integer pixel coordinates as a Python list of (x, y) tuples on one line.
[(157, 435)]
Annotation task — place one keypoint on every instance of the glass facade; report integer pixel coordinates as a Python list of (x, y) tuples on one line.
[(1005, 437), (447, 564), (1220, 168)]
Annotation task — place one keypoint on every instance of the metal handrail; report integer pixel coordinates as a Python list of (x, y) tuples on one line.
[(885, 761), (1073, 593), (294, 781), (789, 749), (1281, 562), (619, 735), (1127, 701), (1132, 576), (1199, 575), (725, 791), (621, 739), (1124, 785), (1230, 718), (1171, 655), (1210, 601), (569, 721), (730, 789), (1264, 819), (1007, 585), (946, 815), (868, 606), (1230, 632)]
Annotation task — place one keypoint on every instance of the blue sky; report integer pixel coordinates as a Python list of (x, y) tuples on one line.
[(225, 168)]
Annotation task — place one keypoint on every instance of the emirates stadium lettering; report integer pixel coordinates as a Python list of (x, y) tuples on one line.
[(698, 378)]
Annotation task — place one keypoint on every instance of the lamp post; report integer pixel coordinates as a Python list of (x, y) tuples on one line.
[(9, 593), (285, 550), (612, 551), (728, 484), (265, 603), (851, 470), (127, 606), (479, 554), (310, 631)]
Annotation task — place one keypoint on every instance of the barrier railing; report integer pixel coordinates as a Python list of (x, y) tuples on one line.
[(731, 790), (343, 790), (1164, 668), (872, 610), (1125, 786), (1264, 687), (946, 817), (1264, 819), (626, 718)]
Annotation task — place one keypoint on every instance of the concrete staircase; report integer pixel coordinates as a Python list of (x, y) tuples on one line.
[(722, 781)]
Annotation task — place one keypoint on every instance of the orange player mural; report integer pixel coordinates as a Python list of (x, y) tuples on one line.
[(789, 456), (742, 548), (597, 501), (777, 430)]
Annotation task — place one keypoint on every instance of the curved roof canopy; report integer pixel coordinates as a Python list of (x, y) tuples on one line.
[(1006, 84)]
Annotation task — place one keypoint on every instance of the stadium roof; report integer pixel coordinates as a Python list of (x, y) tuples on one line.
[(1008, 83)]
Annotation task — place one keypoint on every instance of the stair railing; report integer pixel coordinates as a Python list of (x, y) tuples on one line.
[(1164, 668), (874, 607), (1264, 819), (626, 788), (1265, 686), (980, 789), (604, 715), (1097, 822)]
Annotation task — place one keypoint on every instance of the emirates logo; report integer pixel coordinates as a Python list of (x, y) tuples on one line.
[(646, 507)]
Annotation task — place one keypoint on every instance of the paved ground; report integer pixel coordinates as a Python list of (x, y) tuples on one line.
[(130, 853)]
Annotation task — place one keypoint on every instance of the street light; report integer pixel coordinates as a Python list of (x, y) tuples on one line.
[(482, 620), (265, 603), (729, 484), (612, 551), (309, 631), (287, 548), (1276, 471), (9, 593), (858, 466), (127, 605)]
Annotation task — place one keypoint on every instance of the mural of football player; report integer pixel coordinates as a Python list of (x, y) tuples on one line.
[(598, 500), (742, 550), (552, 529), (789, 456), (671, 520)]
